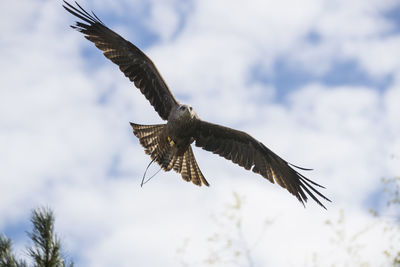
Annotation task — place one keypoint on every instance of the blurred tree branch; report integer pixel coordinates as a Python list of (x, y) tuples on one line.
[(229, 245)]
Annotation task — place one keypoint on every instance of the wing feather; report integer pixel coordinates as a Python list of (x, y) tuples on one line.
[(247, 152), (130, 59)]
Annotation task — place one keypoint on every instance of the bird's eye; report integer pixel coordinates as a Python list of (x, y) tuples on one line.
[(190, 108)]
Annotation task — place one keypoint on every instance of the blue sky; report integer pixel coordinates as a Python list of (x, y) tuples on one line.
[(316, 81)]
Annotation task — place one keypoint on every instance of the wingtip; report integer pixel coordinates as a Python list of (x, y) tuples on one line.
[(66, 5), (300, 168), (303, 201), (319, 202)]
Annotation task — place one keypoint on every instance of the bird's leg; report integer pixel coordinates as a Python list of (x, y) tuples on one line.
[(171, 142)]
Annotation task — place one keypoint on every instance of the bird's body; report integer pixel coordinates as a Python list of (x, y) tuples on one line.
[(181, 127), (170, 144)]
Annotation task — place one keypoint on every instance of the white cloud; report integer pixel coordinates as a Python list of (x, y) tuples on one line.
[(64, 123), (377, 56)]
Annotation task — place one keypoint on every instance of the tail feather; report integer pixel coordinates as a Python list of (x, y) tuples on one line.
[(185, 168), (178, 164), (190, 169), (155, 143)]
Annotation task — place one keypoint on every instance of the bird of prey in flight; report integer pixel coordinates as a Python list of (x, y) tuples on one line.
[(170, 144)]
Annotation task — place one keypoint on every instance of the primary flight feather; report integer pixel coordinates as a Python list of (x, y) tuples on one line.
[(170, 144)]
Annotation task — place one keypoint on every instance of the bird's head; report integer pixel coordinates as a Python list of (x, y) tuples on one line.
[(186, 111)]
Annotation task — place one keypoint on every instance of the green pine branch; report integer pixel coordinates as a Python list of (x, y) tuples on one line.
[(7, 258), (46, 248)]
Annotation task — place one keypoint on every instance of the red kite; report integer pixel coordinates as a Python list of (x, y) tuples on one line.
[(170, 144)]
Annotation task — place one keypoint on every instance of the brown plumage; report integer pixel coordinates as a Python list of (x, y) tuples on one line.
[(170, 144)]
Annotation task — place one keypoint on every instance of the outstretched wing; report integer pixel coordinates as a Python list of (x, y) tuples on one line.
[(131, 61), (249, 153)]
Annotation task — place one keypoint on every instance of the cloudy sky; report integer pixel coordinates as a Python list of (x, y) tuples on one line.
[(318, 82)]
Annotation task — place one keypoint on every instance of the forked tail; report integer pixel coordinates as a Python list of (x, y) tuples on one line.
[(156, 144)]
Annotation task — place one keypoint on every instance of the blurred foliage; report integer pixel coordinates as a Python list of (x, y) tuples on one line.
[(348, 242), (351, 243), (229, 244), (46, 247), (392, 189)]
